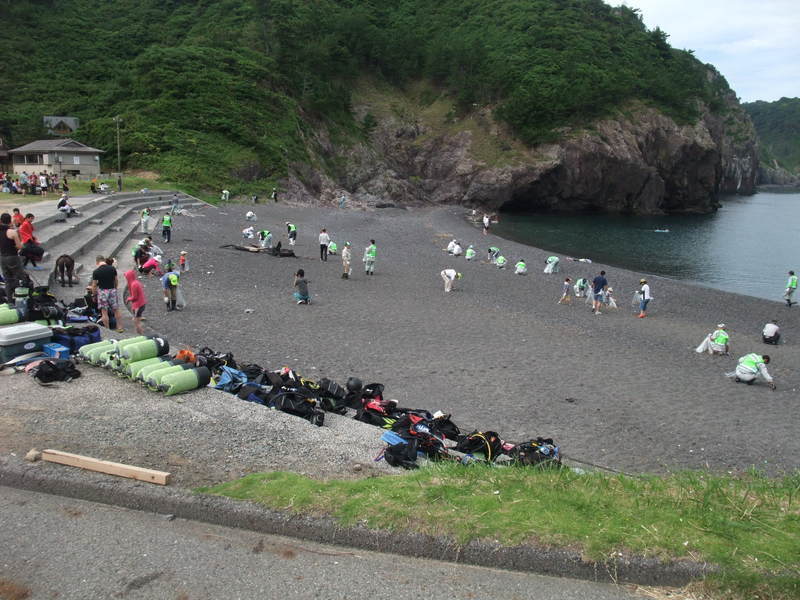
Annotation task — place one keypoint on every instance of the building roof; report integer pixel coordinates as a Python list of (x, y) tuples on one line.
[(61, 145)]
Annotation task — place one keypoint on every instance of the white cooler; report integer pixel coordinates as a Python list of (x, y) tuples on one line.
[(22, 338)]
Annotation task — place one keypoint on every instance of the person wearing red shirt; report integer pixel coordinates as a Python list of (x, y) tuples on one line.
[(17, 219), (31, 251)]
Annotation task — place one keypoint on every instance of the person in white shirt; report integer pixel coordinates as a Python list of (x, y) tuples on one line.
[(486, 222), (645, 298), (457, 250), (449, 276), (771, 334), (250, 216), (249, 233), (43, 184), (346, 254), (324, 240)]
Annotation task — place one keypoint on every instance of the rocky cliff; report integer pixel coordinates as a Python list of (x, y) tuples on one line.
[(638, 162)]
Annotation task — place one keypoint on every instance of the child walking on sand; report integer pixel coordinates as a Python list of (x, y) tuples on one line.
[(136, 299), (566, 297), (182, 261)]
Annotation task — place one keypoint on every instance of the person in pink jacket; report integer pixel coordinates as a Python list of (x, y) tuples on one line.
[(136, 299)]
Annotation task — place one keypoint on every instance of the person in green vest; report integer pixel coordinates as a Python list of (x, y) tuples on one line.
[(470, 253), (370, 254), (291, 230), (333, 248), (265, 238), (492, 254), (501, 262), (144, 217), (166, 227), (521, 268), (715, 342), (791, 288), (552, 264), (750, 367)]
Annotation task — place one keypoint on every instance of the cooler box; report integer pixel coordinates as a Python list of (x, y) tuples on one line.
[(16, 340), (56, 350)]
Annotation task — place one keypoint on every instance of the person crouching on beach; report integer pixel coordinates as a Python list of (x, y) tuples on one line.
[(301, 295), (521, 268), (291, 231), (346, 256), (750, 367), (566, 297), (492, 254), (449, 276), (470, 253), (501, 262), (715, 342), (771, 334)]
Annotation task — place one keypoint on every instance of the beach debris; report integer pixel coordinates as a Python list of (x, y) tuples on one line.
[(33, 455), (105, 466), (248, 310)]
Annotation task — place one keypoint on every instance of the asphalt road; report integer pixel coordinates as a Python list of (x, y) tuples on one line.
[(55, 547)]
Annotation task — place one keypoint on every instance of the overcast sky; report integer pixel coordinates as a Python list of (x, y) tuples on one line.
[(755, 44)]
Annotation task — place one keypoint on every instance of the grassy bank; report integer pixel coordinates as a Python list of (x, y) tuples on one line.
[(749, 525)]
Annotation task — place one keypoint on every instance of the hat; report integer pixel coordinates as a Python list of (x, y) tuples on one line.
[(459, 276), (610, 289), (347, 243), (438, 414), (721, 325), (184, 252), (643, 281)]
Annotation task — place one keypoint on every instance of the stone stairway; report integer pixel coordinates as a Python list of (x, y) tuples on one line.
[(103, 227)]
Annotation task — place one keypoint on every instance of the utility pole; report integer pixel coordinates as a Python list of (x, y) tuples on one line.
[(119, 161)]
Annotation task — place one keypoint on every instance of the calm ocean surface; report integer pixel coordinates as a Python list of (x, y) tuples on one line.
[(747, 246)]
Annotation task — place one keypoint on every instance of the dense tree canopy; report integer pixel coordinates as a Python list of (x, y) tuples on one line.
[(778, 127), (212, 90)]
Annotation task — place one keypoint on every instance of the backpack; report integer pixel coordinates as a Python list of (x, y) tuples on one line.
[(299, 402), (50, 371), (417, 428), (332, 396), (487, 443), (539, 452), (230, 380)]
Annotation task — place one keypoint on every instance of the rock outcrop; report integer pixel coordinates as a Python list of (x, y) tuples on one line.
[(640, 162)]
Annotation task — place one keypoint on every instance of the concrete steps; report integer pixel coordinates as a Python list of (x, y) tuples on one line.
[(104, 229)]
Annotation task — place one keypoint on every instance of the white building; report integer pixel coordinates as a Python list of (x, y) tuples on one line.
[(63, 156)]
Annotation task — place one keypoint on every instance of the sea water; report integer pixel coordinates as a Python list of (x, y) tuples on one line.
[(747, 246)]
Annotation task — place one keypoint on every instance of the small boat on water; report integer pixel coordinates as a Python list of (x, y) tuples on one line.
[(661, 230)]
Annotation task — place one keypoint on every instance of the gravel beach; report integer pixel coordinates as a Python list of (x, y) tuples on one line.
[(498, 353)]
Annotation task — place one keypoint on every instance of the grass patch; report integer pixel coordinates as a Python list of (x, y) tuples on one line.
[(749, 525)]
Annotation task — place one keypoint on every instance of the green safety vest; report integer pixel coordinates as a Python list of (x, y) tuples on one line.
[(722, 338), (793, 282), (520, 265), (372, 251), (173, 279), (751, 361), (493, 249), (332, 247), (552, 259), (167, 221), (501, 260), (264, 233), (470, 253), (292, 227)]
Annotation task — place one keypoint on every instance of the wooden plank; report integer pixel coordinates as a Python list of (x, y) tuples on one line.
[(105, 466)]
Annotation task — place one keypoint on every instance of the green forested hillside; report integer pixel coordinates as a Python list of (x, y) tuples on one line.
[(214, 91), (778, 127)]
